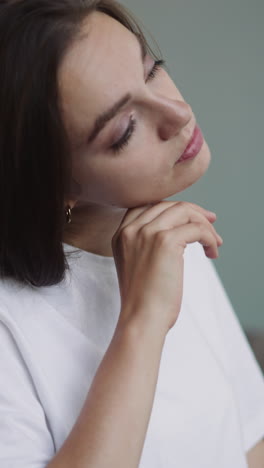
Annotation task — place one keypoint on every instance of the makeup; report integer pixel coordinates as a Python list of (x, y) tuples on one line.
[(194, 146)]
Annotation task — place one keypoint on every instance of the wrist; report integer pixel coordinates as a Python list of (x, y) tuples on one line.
[(141, 324)]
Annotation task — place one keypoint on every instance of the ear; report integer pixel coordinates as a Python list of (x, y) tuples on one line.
[(70, 202)]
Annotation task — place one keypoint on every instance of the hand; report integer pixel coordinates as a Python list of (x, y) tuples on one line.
[(148, 250)]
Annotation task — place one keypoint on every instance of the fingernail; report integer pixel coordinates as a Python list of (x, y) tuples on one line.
[(220, 239), (211, 213)]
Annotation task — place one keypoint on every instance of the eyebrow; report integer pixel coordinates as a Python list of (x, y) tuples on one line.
[(108, 115)]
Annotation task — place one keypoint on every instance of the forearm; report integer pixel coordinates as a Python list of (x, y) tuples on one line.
[(255, 456), (110, 431)]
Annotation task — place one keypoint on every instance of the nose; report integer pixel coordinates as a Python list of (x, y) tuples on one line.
[(171, 116)]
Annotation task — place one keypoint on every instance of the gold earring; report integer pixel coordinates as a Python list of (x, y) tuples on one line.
[(68, 214)]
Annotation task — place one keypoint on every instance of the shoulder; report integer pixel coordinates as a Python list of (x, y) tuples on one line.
[(199, 269), (16, 298), (23, 311), (195, 257)]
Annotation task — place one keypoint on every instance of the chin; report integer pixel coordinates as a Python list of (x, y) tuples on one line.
[(203, 160), (193, 170)]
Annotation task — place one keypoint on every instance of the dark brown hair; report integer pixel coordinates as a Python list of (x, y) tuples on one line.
[(35, 159)]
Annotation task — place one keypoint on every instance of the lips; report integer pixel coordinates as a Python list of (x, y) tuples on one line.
[(194, 145)]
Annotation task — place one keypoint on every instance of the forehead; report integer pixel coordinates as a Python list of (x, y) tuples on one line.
[(96, 71)]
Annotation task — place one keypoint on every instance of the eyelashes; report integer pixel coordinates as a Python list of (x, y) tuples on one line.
[(117, 147), (124, 140), (157, 65)]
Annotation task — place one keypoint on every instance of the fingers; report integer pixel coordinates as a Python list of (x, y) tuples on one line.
[(167, 215), (171, 217), (145, 214), (187, 234), (131, 215)]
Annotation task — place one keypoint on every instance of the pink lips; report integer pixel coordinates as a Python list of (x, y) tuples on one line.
[(194, 146)]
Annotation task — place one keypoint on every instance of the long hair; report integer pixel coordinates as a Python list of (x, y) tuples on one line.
[(35, 157)]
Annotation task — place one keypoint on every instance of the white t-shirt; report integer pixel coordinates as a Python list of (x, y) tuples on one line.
[(208, 409)]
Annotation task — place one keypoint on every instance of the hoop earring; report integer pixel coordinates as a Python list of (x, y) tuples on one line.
[(68, 214)]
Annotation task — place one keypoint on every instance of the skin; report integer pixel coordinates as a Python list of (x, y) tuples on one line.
[(96, 72)]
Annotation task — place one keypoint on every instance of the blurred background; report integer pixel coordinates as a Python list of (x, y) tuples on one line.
[(214, 53)]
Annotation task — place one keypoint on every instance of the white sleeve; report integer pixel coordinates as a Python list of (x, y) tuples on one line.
[(25, 440), (242, 368)]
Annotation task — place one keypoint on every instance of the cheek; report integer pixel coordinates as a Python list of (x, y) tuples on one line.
[(127, 179)]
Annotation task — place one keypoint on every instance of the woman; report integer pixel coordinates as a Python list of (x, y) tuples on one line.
[(112, 354)]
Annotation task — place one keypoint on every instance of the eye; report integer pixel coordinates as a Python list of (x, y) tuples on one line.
[(157, 65), (124, 140)]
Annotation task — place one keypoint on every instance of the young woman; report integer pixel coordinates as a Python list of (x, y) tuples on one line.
[(118, 345)]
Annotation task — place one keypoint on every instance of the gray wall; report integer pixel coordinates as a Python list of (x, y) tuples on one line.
[(214, 50)]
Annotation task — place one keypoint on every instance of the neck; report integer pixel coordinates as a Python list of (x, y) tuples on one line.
[(92, 228)]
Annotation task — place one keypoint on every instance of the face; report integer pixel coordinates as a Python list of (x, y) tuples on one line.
[(131, 160)]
